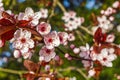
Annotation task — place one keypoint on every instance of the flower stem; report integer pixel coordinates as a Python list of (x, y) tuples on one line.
[(13, 72), (86, 30), (61, 6)]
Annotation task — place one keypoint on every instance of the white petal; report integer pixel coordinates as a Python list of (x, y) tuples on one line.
[(34, 22), (31, 43), (27, 34), (29, 12), (37, 15), (17, 45), (109, 64), (24, 50)]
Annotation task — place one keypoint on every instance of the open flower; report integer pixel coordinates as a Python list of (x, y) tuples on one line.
[(104, 23), (52, 40), (71, 21), (69, 16), (106, 57), (85, 53), (43, 28), (71, 37), (22, 41), (47, 54), (63, 36), (29, 15), (44, 13)]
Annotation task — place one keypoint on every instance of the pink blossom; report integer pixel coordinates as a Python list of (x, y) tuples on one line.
[(44, 13), (91, 72), (30, 16), (76, 50), (116, 4), (22, 41), (69, 15), (63, 36), (47, 54), (71, 37), (43, 28), (106, 57), (17, 53), (52, 40), (110, 38)]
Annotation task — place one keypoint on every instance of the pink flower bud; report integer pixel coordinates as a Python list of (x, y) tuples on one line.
[(111, 18), (76, 50), (16, 53), (72, 46), (115, 4), (110, 38), (66, 55)]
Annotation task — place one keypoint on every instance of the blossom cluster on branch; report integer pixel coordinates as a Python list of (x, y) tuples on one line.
[(30, 29)]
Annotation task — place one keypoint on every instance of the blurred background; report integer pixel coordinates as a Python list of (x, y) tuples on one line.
[(83, 8)]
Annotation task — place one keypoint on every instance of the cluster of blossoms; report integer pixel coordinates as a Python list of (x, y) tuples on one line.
[(52, 40), (102, 53), (106, 18), (27, 29), (71, 21)]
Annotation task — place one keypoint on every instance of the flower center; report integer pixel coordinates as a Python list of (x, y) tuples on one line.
[(50, 40), (104, 59), (61, 39), (48, 51), (23, 40)]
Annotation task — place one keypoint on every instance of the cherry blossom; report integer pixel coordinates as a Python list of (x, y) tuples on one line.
[(71, 37), (52, 40), (85, 53), (110, 38), (71, 21), (29, 15), (63, 36), (43, 28), (47, 54), (17, 53), (105, 24), (44, 13), (91, 72), (69, 16), (22, 41), (106, 57), (76, 50), (116, 4)]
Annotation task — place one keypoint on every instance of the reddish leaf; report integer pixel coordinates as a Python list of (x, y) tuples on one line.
[(5, 29), (31, 66), (29, 76), (99, 37), (117, 50), (23, 23), (8, 16), (8, 35), (5, 22)]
